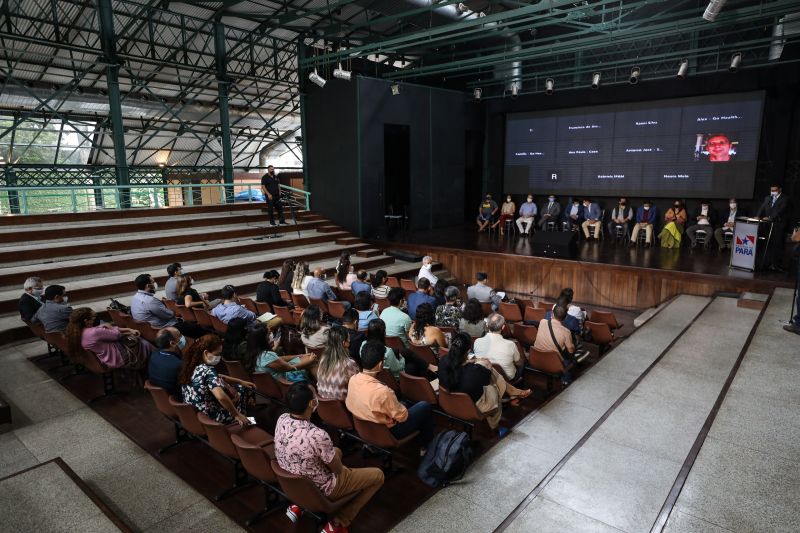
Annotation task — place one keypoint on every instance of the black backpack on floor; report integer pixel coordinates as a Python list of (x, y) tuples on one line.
[(446, 459)]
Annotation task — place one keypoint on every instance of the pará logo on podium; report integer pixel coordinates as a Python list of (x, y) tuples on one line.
[(746, 245)]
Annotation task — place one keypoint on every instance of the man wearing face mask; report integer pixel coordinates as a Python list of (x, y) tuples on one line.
[(147, 308), (727, 226), (573, 215), (31, 299), (593, 218), (486, 212), (704, 220), (621, 216), (425, 270), (165, 364), (774, 209), (646, 216), (550, 212), (527, 214), (54, 313)]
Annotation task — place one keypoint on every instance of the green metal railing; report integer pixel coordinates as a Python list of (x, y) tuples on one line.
[(82, 198)]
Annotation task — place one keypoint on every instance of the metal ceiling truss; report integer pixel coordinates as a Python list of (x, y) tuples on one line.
[(569, 41), (177, 68)]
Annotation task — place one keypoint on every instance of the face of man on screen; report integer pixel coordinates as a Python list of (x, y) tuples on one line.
[(719, 148)]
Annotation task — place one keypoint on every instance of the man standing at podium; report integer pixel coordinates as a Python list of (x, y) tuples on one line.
[(774, 210)]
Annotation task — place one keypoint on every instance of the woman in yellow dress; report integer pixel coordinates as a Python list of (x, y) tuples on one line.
[(674, 222)]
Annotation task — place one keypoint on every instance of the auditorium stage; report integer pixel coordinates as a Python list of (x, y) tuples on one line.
[(604, 273)]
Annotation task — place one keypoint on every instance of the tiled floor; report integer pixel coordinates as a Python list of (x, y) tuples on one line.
[(745, 478), (50, 422)]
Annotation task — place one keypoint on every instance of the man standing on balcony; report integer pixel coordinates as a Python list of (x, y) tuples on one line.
[(271, 187)]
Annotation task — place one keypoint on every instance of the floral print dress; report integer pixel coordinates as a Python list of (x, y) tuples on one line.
[(198, 394)]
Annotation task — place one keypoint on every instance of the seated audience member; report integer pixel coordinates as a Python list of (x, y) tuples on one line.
[(114, 347), (234, 343), (361, 283), (729, 219), (313, 332), (287, 276), (188, 297), (551, 212), (165, 362), (376, 332), (476, 378), (423, 332), (303, 449), (486, 212), (269, 292), (319, 289), (336, 367), (425, 270), (438, 292), (674, 222), (621, 215), (507, 211), (345, 274), (422, 296), (646, 217), (592, 218), (230, 307), (558, 340), (379, 287), (54, 313), (449, 314), (222, 398), (356, 337), (369, 399), (482, 292), (171, 286), (31, 299), (397, 322), (472, 322), (147, 308), (575, 315), (365, 309), (573, 215), (527, 216), (498, 350), (261, 347), (302, 278), (703, 219)]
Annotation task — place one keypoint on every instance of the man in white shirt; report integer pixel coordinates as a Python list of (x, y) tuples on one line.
[(497, 349), (425, 270), (727, 224)]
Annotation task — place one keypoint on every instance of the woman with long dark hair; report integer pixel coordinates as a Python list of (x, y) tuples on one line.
[(476, 378), (286, 276), (114, 347), (345, 273), (222, 398), (379, 287), (336, 367), (423, 330)]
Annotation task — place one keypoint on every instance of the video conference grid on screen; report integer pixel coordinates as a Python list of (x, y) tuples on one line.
[(702, 147)]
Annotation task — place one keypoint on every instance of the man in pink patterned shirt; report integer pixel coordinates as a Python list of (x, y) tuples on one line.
[(303, 449)]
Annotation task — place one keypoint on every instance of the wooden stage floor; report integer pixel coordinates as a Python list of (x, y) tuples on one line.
[(609, 274)]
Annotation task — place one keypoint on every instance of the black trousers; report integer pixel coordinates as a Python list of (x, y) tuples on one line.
[(777, 242), (275, 203), (191, 329)]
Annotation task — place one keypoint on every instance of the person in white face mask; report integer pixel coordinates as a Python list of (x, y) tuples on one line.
[(54, 313), (222, 398), (425, 270), (775, 209), (31, 299), (728, 221)]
